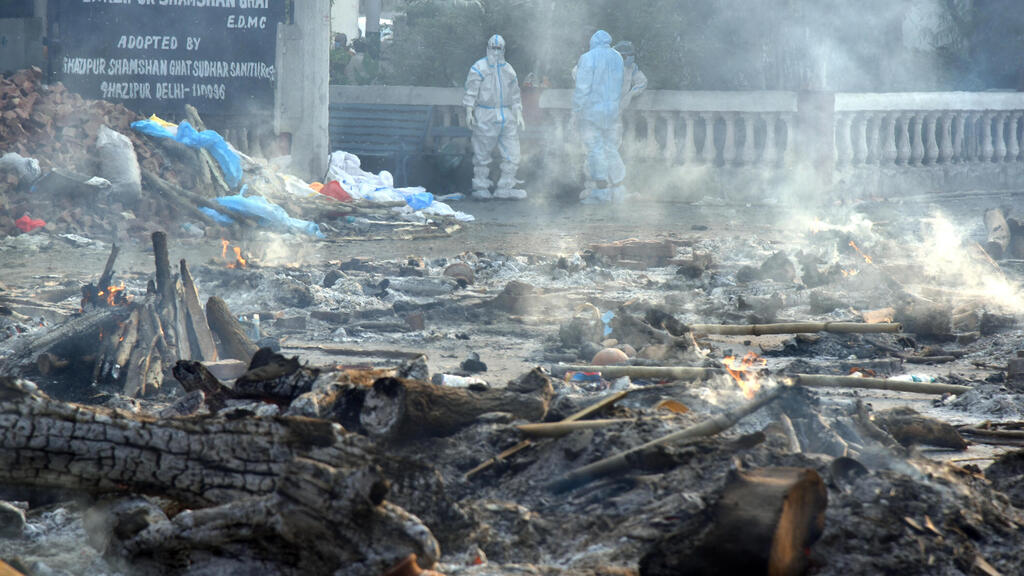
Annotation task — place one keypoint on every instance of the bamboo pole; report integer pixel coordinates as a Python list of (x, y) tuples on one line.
[(559, 429), (621, 461), (524, 444), (795, 328), (809, 380), (642, 372), (829, 381)]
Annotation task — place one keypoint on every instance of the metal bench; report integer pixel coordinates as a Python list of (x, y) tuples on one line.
[(394, 133)]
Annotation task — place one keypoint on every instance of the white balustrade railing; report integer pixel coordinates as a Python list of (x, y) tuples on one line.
[(725, 130), (928, 129)]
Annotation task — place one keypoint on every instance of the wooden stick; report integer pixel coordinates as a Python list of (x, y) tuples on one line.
[(108, 270), (606, 401), (346, 351), (830, 381), (795, 328), (559, 429), (641, 372), (197, 324), (621, 461)]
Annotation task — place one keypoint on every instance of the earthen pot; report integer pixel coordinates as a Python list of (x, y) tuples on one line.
[(609, 356)]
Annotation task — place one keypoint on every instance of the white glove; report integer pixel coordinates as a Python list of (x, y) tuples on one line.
[(519, 119), (470, 120)]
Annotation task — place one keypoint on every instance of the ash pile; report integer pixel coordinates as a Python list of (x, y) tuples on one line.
[(90, 170), (842, 398)]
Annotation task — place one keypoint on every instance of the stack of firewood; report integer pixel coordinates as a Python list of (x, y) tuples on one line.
[(133, 344)]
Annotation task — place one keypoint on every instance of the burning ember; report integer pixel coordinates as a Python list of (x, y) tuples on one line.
[(744, 372), (863, 255), (238, 262)]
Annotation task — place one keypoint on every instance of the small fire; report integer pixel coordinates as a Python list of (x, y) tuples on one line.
[(238, 262), (850, 272), (744, 372), (863, 255), (114, 295)]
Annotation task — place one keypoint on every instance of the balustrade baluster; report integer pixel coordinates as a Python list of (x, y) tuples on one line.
[(559, 121), (729, 146), (1014, 138), (874, 131), (916, 139), (627, 140), (670, 138), (987, 149), (770, 155), (707, 151), (1000, 141), (786, 152), (690, 142), (889, 153), (860, 146), (903, 144), (749, 151), (651, 144), (945, 137), (931, 146), (959, 137)]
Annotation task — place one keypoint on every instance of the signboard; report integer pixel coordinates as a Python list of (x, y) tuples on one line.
[(155, 56)]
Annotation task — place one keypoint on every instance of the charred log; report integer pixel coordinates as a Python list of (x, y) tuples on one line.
[(762, 524), (402, 409), (233, 341)]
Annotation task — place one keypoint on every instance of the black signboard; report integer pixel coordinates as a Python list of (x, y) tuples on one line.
[(155, 56)]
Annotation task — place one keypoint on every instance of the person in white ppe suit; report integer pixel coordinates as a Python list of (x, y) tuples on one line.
[(634, 82), (494, 111), (595, 111)]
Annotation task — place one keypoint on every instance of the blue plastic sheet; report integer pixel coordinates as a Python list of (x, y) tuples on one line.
[(216, 216), (419, 200), (209, 140), (268, 213)]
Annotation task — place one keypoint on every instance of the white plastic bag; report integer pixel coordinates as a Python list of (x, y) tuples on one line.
[(118, 163)]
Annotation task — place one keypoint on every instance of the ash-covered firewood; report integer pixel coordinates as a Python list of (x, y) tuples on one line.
[(401, 409), (909, 427), (302, 490), (763, 523), (233, 341)]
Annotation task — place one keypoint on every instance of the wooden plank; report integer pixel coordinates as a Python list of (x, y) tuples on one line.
[(197, 325)]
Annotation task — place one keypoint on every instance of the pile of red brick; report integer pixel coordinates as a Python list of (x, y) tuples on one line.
[(58, 128)]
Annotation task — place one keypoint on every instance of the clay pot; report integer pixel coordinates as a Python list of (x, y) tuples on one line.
[(609, 356), (460, 271)]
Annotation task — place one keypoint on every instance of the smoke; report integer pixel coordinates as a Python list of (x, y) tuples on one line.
[(947, 256)]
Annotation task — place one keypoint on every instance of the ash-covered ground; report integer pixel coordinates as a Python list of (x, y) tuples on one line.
[(530, 284)]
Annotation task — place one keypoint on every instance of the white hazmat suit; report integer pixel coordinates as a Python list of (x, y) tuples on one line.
[(494, 110)]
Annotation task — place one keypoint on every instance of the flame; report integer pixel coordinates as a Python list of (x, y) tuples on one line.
[(850, 272), (863, 255), (744, 372), (115, 293), (238, 262), (816, 225)]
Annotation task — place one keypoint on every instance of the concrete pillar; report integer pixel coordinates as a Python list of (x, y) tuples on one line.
[(345, 18), (303, 87), (373, 27), (815, 135)]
